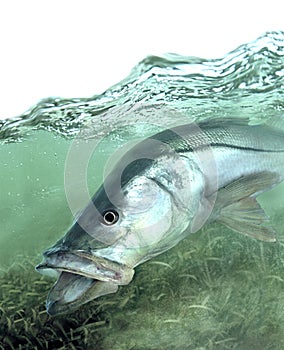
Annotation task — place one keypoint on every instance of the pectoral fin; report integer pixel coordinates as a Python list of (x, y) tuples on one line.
[(239, 210), (247, 217)]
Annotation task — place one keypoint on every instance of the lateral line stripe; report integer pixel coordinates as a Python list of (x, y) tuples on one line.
[(230, 146)]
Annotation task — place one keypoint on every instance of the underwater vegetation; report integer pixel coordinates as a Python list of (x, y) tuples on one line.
[(216, 289)]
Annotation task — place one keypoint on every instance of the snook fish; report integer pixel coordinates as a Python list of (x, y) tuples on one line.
[(161, 190)]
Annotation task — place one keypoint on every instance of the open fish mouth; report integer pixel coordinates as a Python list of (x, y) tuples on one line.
[(81, 278), (72, 290)]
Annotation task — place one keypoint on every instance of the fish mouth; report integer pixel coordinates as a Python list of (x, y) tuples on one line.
[(81, 277)]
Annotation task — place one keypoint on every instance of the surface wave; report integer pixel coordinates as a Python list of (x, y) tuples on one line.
[(247, 80)]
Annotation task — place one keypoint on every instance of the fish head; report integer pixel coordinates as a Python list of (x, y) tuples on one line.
[(119, 228)]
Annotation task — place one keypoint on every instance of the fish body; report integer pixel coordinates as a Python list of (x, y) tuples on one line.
[(164, 188)]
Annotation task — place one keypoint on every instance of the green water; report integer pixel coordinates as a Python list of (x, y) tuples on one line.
[(32, 195), (216, 289)]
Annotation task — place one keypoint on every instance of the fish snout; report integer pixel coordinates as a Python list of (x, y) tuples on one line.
[(56, 249), (51, 257)]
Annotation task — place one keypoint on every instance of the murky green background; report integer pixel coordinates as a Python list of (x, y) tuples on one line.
[(33, 205), (216, 289)]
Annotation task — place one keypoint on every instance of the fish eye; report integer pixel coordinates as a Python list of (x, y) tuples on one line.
[(110, 217)]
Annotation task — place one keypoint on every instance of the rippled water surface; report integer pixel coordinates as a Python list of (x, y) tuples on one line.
[(216, 290)]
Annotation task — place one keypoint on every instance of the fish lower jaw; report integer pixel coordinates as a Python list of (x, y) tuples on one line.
[(108, 276), (72, 290), (90, 267)]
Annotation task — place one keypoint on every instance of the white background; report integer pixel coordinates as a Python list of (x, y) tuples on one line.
[(80, 48)]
